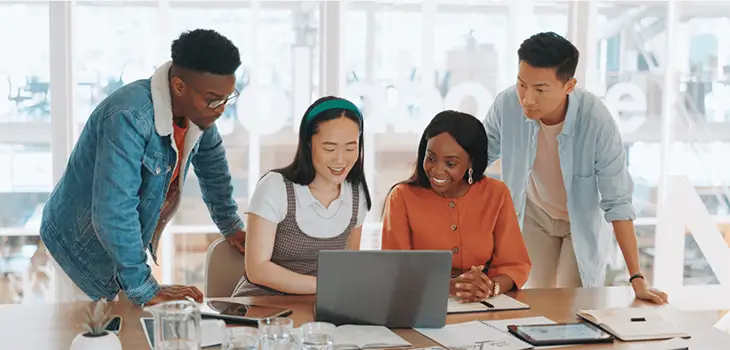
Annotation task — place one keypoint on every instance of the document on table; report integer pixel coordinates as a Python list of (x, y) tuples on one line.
[(482, 335)]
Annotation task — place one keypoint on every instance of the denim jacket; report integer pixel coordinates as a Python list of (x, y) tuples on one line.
[(102, 214), (593, 164)]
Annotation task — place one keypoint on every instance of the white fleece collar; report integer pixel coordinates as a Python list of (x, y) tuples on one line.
[(161, 100)]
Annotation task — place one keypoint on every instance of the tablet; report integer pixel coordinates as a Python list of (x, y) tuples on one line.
[(233, 311), (561, 334)]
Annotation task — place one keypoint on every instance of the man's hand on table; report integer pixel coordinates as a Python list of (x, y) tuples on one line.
[(176, 292), (643, 292)]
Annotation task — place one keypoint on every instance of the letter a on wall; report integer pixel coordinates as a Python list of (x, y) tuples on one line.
[(683, 211)]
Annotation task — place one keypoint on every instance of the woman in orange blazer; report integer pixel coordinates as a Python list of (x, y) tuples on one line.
[(448, 204)]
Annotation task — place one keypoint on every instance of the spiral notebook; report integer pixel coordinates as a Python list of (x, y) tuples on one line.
[(492, 335)]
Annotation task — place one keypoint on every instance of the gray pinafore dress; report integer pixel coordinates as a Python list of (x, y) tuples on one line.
[(296, 251)]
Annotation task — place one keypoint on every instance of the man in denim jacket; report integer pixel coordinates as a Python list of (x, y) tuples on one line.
[(124, 178)]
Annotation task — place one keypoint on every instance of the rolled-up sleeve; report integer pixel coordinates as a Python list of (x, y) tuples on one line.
[(493, 127), (510, 257), (614, 181), (214, 178)]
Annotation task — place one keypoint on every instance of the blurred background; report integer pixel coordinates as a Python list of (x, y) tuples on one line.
[(662, 67)]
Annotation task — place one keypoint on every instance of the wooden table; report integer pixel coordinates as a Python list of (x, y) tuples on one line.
[(53, 326)]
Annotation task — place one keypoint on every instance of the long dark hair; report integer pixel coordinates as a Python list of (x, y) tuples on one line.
[(301, 169), (468, 132)]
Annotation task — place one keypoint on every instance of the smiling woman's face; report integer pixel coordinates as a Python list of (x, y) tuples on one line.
[(445, 163), (335, 149)]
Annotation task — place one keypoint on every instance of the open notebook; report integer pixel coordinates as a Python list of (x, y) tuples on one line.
[(630, 324), (501, 302), (367, 337)]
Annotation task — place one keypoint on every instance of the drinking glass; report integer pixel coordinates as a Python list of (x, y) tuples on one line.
[(177, 325), (318, 336), (241, 338), (275, 333)]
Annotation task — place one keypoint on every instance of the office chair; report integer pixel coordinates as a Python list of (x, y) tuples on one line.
[(224, 267)]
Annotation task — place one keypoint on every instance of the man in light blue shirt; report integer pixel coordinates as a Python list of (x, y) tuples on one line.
[(564, 163)]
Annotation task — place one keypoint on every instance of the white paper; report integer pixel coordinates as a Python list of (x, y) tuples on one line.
[(368, 336), (466, 335), (669, 344)]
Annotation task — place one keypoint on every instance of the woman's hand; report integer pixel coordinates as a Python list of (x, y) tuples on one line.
[(472, 286)]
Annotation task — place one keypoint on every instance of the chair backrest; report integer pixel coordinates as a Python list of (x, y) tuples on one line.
[(224, 267)]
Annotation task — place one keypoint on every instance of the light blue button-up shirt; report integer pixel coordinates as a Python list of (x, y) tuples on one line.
[(593, 164)]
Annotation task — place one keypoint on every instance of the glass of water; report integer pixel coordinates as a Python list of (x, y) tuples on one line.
[(275, 333), (318, 336), (241, 338)]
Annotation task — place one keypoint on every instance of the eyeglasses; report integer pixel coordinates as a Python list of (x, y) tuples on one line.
[(213, 104)]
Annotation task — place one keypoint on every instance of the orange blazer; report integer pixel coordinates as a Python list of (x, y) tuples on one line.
[(479, 226)]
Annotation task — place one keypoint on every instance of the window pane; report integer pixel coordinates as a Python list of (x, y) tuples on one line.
[(107, 57), (25, 147)]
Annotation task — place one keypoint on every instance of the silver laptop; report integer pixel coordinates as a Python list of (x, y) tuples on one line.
[(396, 289)]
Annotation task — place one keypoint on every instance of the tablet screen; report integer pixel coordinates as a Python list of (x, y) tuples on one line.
[(564, 332), (238, 310)]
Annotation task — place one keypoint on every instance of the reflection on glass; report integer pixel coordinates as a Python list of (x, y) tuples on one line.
[(109, 57)]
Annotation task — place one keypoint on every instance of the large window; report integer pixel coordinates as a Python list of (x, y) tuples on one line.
[(402, 61)]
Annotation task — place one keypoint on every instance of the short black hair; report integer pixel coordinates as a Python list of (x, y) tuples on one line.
[(469, 133), (550, 50), (301, 169), (205, 51)]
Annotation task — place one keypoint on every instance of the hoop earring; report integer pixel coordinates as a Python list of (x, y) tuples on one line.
[(470, 180)]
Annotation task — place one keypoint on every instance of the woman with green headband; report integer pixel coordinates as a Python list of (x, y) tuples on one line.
[(318, 202)]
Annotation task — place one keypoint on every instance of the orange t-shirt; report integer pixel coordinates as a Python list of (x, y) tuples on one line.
[(477, 227), (180, 143)]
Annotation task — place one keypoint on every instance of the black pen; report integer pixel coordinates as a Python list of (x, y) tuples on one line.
[(486, 266)]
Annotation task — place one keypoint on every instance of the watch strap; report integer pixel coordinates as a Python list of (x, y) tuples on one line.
[(638, 275)]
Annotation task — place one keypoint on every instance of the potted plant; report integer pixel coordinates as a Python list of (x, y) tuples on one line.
[(96, 336)]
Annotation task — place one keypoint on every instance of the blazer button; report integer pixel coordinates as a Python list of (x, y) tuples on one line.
[(157, 170), (453, 227), (452, 204), (455, 250)]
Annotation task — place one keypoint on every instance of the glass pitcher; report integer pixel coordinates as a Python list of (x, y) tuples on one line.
[(177, 325)]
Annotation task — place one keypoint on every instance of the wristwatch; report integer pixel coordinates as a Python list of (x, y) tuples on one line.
[(495, 291)]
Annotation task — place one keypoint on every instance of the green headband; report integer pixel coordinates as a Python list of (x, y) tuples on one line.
[(333, 104)]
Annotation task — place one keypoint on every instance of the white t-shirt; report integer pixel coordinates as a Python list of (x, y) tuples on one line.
[(269, 202)]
